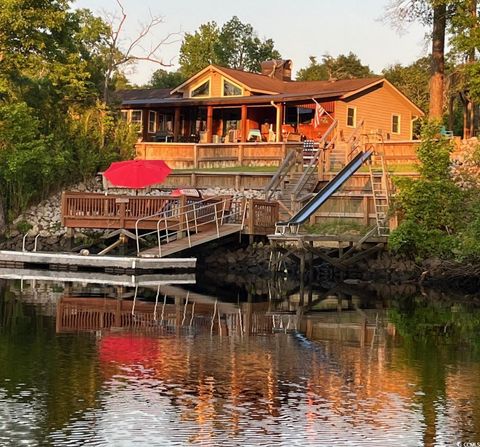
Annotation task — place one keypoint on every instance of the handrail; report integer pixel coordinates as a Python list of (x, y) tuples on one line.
[(160, 213), (281, 173), (312, 166), (216, 218), (353, 138)]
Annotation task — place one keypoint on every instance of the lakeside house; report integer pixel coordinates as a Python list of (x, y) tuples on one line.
[(220, 105)]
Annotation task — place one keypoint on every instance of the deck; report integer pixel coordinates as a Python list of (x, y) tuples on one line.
[(73, 261)]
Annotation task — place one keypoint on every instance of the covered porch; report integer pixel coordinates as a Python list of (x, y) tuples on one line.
[(217, 122)]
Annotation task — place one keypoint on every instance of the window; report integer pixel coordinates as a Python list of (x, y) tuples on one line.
[(396, 124), (124, 115), (152, 121), (351, 117), (201, 90), (231, 89)]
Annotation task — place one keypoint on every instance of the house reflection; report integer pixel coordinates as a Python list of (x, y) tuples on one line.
[(351, 367)]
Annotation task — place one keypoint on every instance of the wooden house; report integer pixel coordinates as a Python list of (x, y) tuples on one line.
[(219, 106)]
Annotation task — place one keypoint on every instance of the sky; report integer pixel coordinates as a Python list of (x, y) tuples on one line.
[(299, 28)]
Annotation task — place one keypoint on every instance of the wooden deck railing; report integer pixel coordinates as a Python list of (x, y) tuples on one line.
[(225, 155), (90, 210)]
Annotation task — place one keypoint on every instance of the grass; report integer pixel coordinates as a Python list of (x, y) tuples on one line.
[(337, 227), (231, 169)]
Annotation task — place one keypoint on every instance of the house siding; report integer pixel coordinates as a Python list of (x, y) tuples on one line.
[(376, 108), (216, 85)]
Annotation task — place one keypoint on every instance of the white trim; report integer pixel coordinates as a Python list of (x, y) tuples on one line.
[(399, 124), (198, 84), (154, 121), (354, 117), (223, 80)]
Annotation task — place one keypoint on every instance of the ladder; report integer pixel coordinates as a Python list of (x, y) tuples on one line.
[(381, 194)]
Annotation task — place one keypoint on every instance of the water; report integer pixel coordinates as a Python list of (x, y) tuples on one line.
[(79, 366)]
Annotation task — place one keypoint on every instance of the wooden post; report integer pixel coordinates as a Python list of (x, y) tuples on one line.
[(365, 210), (240, 155), (195, 156), (209, 123), (176, 124), (250, 217), (278, 135), (243, 131)]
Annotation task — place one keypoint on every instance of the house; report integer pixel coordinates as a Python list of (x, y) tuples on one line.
[(220, 104)]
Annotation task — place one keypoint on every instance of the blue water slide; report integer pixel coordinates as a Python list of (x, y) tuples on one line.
[(332, 186)]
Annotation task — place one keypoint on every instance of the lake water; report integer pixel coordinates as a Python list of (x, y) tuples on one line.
[(361, 366)]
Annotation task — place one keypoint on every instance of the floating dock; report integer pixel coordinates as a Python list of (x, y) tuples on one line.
[(145, 281), (110, 264)]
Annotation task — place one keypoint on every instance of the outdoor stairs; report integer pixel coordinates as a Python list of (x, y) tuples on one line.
[(381, 196), (285, 195)]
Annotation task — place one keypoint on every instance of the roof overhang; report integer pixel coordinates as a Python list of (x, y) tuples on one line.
[(247, 100)]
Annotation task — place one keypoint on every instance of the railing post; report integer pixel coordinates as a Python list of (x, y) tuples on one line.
[(240, 155), (195, 156), (181, 216), (251, 216), (216, 219)]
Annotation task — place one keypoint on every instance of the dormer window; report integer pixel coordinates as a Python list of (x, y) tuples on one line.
[(201, 90), (231, 89)]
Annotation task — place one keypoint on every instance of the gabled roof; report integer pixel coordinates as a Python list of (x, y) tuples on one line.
[(267, 89)]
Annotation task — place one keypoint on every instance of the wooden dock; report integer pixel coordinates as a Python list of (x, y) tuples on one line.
[(69, 261), (105, 279)]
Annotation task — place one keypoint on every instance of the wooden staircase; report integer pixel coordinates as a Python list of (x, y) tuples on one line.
[(297, 177)]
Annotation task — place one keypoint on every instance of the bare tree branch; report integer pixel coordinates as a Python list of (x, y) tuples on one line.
[(135, 50)]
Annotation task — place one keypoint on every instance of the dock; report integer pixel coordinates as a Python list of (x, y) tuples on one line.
[(105, 279), (109, 264)]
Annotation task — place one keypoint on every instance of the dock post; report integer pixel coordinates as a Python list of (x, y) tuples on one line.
[(69, 235), (302, 274)]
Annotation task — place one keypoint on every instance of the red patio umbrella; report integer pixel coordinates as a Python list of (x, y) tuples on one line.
[(137, 173)]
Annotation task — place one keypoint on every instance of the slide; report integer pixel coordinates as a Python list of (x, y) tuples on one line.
[(332, 186)]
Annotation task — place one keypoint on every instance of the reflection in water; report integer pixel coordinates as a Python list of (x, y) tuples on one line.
[(350, 367)]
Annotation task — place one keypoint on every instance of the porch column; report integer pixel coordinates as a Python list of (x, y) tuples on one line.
[(243, 132), (209, 123), (278, 134), (176, 124)]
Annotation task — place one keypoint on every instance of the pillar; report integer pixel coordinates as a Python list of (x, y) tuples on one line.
[(176, 124), (243, 131), (278, 136), (209, 123)]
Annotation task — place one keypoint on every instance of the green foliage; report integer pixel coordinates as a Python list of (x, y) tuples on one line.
[(438, 217), (412, 80), (53, 130), (166, 79), (235, 45), (340, 67)]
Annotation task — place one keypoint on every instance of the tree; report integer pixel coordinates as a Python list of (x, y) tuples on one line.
[(239, 47), (116, 57), (198, 50), (433, 13), (235, 45), (412, 80), (166, 79), (313, 72), (333, 68)]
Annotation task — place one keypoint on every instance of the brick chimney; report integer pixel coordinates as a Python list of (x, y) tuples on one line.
[(278, 69)]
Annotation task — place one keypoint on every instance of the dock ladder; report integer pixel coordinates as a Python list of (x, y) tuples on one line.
[(381, 194)]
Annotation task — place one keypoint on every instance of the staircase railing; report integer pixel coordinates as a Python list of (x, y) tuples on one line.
[(312, 166), (353, 140), (191, 217), (281, 173)]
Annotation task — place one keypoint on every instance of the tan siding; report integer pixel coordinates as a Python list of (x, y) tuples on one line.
[(377, 108), (216, 85)]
